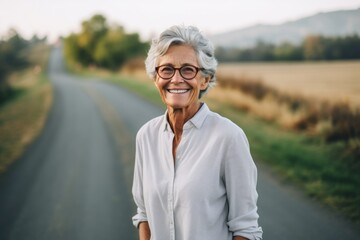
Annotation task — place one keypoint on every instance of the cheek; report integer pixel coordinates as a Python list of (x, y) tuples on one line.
[(158, 84), (160, 88)]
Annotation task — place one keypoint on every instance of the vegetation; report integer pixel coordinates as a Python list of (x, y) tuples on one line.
[(13, 51), (26, 95), (313, 47), (342, 118), (101, 45), (313, 144), (336, 123), (320, 169), (326, 169)]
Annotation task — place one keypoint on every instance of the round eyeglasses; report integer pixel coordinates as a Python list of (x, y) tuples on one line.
[(187, 72)]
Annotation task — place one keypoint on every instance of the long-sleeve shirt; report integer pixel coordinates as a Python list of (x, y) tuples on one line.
[(207, 192)]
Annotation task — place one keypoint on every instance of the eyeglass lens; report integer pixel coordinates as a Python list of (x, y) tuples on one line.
[(187, 72)]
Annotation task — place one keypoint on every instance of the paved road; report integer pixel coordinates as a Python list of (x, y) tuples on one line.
[(74, 181)]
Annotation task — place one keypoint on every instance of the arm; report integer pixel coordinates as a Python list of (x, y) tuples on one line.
[(137, 191), (144, 231), (240, 179)]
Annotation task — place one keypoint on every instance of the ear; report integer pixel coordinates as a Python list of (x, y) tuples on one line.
[(205, 82)]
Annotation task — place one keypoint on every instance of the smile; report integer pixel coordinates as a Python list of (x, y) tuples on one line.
[(178, 91)]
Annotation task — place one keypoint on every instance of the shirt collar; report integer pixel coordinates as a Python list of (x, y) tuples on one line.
[(197, 120)]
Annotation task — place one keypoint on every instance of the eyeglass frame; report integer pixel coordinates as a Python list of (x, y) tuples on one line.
[(187, 65)]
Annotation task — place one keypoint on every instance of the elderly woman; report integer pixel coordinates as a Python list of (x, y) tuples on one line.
[(194, 177)]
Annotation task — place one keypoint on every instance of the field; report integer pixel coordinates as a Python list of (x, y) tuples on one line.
[(333, 81)]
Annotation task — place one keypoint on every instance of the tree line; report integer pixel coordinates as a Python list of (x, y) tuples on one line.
[(103, 45), (13, 57), (313, 47)]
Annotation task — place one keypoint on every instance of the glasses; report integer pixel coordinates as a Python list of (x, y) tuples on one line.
[(187, 72)]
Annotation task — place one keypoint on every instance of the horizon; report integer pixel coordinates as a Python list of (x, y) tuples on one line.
[(46, 19)]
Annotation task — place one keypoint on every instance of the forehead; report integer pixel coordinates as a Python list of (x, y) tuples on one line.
[(178, 55)]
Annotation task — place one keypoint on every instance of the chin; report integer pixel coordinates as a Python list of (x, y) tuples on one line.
[(176, 105)]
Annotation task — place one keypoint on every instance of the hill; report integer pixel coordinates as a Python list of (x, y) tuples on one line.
[(336, 23)]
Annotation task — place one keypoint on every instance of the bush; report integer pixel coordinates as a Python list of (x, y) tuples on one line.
[(13, 56)]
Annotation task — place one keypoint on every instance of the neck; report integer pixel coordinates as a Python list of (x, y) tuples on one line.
[(177, 117)]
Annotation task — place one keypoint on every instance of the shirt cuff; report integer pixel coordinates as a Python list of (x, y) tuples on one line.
[(254, 233), (138, 218), (246, 226)]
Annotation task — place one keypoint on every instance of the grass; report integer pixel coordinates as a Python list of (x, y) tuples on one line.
[(327, 171), (23, 115), (315, 167), (335, 121)]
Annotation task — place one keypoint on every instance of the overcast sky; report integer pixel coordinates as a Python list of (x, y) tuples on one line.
[(61, 17)]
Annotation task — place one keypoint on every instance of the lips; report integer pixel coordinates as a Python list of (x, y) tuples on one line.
[(178, 91)]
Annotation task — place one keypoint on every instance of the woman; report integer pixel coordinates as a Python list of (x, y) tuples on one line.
[(194, 176)]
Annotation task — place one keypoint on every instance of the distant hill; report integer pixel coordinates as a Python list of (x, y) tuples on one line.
[(337, 23)]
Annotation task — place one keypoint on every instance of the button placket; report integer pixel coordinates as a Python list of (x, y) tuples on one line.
[(171, 187)]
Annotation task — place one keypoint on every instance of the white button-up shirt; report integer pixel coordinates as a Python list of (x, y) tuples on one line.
[(208, 192)]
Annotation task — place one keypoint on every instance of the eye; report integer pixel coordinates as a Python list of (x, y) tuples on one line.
[(188, 70), (166, 69)]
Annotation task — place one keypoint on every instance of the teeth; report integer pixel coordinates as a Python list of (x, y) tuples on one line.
[(177, 91)]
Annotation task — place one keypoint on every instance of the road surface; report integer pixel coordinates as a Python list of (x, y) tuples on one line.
[(74, 181)]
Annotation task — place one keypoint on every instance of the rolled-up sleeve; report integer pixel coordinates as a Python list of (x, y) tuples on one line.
[(137, 188), (240, 180)]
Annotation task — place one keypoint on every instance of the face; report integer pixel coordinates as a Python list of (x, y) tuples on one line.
[(178, 93)]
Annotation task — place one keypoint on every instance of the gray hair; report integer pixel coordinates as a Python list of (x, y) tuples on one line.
[(182, 35)]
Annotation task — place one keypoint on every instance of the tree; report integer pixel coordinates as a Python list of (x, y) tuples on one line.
[(287, 51), (12, 57), (103, 45), (313, 48)]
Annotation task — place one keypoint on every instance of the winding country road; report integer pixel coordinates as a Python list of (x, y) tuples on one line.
[(74, 181)]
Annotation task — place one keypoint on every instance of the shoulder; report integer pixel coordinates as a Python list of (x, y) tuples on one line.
[(223, 125), (225, 130)]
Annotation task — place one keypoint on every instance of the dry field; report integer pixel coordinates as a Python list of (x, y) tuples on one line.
[(333, 81)]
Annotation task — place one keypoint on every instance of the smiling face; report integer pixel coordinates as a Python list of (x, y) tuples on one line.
[(178, 93)]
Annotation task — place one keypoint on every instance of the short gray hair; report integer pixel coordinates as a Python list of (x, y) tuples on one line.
[(182, 35)]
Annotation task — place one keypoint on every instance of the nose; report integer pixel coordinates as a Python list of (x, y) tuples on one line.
[(177, 77)]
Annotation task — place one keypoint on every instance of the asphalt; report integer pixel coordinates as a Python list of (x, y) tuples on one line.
[(74, 181)]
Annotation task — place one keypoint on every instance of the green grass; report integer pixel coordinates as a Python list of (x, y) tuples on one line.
[(318, 168), (22, 115)]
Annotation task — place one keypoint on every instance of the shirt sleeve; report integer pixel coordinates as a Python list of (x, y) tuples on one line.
[(240, 176), (137, 188)]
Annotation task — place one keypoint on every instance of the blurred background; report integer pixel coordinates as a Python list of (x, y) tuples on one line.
[(288, 74)]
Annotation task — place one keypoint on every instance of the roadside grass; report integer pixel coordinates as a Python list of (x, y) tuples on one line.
[(320, 169), (23, 115)]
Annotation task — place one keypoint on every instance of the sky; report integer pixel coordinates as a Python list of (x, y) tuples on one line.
[(55, 18)]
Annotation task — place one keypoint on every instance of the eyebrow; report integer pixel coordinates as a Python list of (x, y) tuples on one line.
[(173, 65)]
